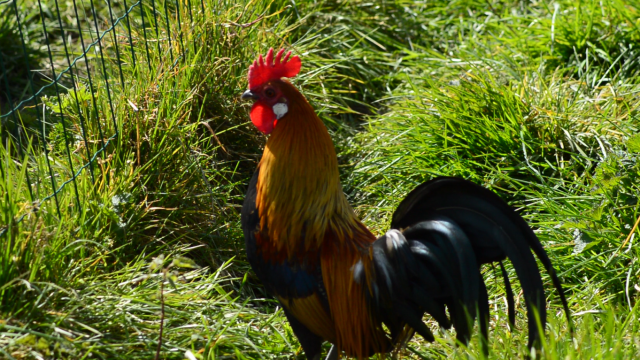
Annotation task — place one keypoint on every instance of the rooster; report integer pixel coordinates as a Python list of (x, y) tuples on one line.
[(335, 280)]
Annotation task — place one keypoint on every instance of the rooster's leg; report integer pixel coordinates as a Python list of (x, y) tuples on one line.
[(311, 343)]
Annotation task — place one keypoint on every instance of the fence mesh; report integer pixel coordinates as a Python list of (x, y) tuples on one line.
[(65, 71)]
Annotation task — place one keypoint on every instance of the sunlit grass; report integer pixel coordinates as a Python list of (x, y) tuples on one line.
[(410, 90)]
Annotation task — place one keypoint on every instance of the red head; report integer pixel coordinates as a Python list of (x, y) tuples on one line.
[(264, 75)]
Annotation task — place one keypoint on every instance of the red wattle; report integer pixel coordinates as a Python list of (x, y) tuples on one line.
[(263, 118)]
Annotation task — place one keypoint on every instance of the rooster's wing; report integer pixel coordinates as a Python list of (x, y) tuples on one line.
[(297, 285)]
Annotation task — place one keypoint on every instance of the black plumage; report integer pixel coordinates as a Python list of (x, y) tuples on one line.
[(442, 233)]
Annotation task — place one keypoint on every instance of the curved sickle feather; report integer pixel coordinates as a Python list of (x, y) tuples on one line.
[(495, 230)]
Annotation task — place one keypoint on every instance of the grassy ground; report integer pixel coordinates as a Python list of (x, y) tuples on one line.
[(537, 101)]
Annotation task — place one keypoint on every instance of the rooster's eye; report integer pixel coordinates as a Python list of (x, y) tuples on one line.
[(270, 92)]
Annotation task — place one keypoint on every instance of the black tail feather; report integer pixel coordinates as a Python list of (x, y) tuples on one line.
[(413, 318), (451, 227), (432, 307), (511, 305)]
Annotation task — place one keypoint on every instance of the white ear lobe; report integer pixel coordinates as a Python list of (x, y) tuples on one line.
[(280, 109)]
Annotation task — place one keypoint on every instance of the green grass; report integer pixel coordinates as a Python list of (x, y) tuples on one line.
[(536, 102)]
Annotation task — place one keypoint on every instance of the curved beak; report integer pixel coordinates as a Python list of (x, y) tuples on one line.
[(249, 95)]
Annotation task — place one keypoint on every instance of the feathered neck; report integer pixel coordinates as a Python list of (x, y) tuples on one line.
[(299, 196)]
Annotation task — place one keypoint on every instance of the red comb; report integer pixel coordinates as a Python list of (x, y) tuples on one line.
[(262, 71)]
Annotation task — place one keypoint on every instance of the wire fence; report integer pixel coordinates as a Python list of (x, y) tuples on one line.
[(65, 71)]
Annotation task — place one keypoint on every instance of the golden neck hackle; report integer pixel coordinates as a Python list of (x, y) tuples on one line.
[(299, 196)]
